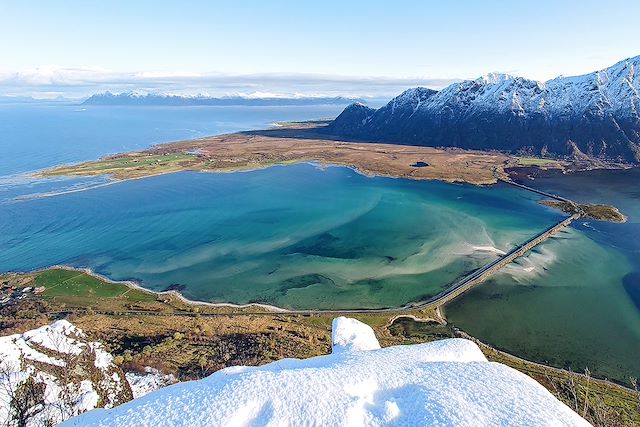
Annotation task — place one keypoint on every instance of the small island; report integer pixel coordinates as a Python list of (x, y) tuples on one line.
[(588, 210)]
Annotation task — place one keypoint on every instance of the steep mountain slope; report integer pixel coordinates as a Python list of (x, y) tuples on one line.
[(595, 115), (447, 382)]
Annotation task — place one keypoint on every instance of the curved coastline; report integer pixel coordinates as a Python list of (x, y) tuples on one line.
[(441, 298), (111, 180), (134, 285), (437, 300), (268, 309)]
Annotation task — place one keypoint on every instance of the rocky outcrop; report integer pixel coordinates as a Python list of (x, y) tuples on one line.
[(52, 373)]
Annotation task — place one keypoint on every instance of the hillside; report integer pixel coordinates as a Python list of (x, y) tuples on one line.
[(449, 382), (591, 116)]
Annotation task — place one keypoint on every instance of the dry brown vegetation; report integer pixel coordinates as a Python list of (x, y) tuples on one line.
[(293, 144)]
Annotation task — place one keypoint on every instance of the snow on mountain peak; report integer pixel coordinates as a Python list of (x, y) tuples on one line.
[(599, 113), (495, 78), (447, 382)]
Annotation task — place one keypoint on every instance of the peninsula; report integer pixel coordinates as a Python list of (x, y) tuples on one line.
[(300, 142), (296, 142), (588, 210)]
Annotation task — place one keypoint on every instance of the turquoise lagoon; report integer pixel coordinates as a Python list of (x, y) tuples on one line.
[(298, 236)]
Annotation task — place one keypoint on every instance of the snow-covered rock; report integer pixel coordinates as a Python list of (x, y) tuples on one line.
[(447, 382), (351, 335), (65, 373), (150, 380)]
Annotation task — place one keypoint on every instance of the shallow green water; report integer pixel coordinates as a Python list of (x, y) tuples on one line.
[(295, 236)]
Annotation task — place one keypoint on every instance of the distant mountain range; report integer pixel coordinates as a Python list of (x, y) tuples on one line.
[(9, 99), (595, 115), (135, 98)]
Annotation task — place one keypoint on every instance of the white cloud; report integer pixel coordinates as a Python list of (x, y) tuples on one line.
[(83, 81)]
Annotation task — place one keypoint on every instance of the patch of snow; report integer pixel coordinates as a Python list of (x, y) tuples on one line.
[(443, 383), (151, 380), (351, 335)]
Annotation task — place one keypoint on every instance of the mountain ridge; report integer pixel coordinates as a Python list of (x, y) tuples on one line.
[(595, 115)]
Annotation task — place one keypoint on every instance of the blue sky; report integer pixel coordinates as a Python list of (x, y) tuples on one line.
[(301, 46)]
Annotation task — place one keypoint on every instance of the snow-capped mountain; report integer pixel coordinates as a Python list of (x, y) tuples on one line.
[(596, 114), (140, 98), (448, 382)]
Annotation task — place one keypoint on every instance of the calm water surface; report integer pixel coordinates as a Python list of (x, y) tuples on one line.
[(295, 236), (41, 135), (580, 306)]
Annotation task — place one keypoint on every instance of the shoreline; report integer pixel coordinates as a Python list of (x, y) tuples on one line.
[(448, 293), (407, 307), (287, 143), (114, 181), (269, 309), (135, 285)]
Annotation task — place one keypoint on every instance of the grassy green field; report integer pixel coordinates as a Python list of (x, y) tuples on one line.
[(141, 161), (323, 121), (61, 283), (536, 161), (131, 164)]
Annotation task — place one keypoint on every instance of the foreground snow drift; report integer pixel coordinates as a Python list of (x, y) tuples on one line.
[(447, 382)]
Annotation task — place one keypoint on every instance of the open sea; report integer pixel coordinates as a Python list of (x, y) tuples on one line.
[(309, 237)]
